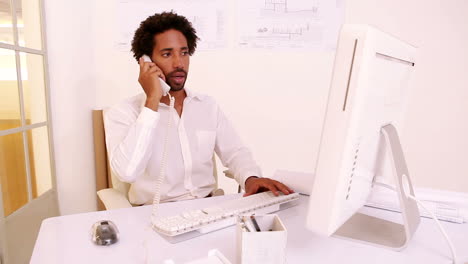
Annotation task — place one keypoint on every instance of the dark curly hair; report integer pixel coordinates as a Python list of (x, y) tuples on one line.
[(143, 41)]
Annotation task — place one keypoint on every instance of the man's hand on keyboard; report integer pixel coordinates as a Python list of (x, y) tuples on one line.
[(254, 185)]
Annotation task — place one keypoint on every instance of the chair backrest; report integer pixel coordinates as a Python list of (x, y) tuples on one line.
[(122, 187), (104, 176)]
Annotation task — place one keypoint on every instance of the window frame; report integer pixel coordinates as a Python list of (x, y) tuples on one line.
[(24, 128)]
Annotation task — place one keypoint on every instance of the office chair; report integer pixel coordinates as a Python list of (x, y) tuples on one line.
[(113, 193)]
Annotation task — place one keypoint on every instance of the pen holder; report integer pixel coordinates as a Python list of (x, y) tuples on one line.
[(265, 246)]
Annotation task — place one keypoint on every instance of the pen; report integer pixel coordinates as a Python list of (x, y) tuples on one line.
[(248, 224), (255, 223)]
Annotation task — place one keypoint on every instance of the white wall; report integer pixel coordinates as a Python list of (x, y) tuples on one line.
[(275, 99), (70, 39)]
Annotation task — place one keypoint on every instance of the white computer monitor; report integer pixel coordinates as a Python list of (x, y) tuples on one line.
[(359, 143)]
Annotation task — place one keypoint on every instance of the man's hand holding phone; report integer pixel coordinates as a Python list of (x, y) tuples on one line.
[(149, 81)]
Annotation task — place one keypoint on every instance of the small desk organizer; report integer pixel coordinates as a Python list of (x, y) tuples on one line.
[(266, 246)]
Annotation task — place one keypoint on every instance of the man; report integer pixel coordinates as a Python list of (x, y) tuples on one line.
[(136, 129)]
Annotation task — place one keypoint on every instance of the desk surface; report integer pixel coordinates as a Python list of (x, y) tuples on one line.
[(67, 239)]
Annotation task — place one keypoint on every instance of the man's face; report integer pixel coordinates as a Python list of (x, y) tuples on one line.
[(171, 55)]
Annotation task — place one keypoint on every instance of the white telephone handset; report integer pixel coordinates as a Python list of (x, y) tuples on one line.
[(165, 88)]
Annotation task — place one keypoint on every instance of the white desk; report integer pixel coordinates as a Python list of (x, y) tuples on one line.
[(67, 239)]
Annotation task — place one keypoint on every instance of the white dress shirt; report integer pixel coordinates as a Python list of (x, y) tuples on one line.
[(135, 138)]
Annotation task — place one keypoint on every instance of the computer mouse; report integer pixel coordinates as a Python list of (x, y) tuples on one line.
[(105, 233)]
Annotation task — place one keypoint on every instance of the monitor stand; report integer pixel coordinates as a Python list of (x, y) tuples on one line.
[(379, 232)]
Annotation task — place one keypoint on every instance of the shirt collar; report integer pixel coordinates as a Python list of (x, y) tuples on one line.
[(195, 95)]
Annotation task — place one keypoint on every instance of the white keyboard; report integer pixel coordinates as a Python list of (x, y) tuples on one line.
[(193, 223)]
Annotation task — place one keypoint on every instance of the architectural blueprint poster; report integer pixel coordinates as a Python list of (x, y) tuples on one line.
[(207, 17), (289, 24)]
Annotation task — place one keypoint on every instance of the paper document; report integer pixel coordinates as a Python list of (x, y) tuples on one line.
[(447, 206), (289, 24), (300, 182)]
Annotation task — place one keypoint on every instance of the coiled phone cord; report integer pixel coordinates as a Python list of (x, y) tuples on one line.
[(162, 172)]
